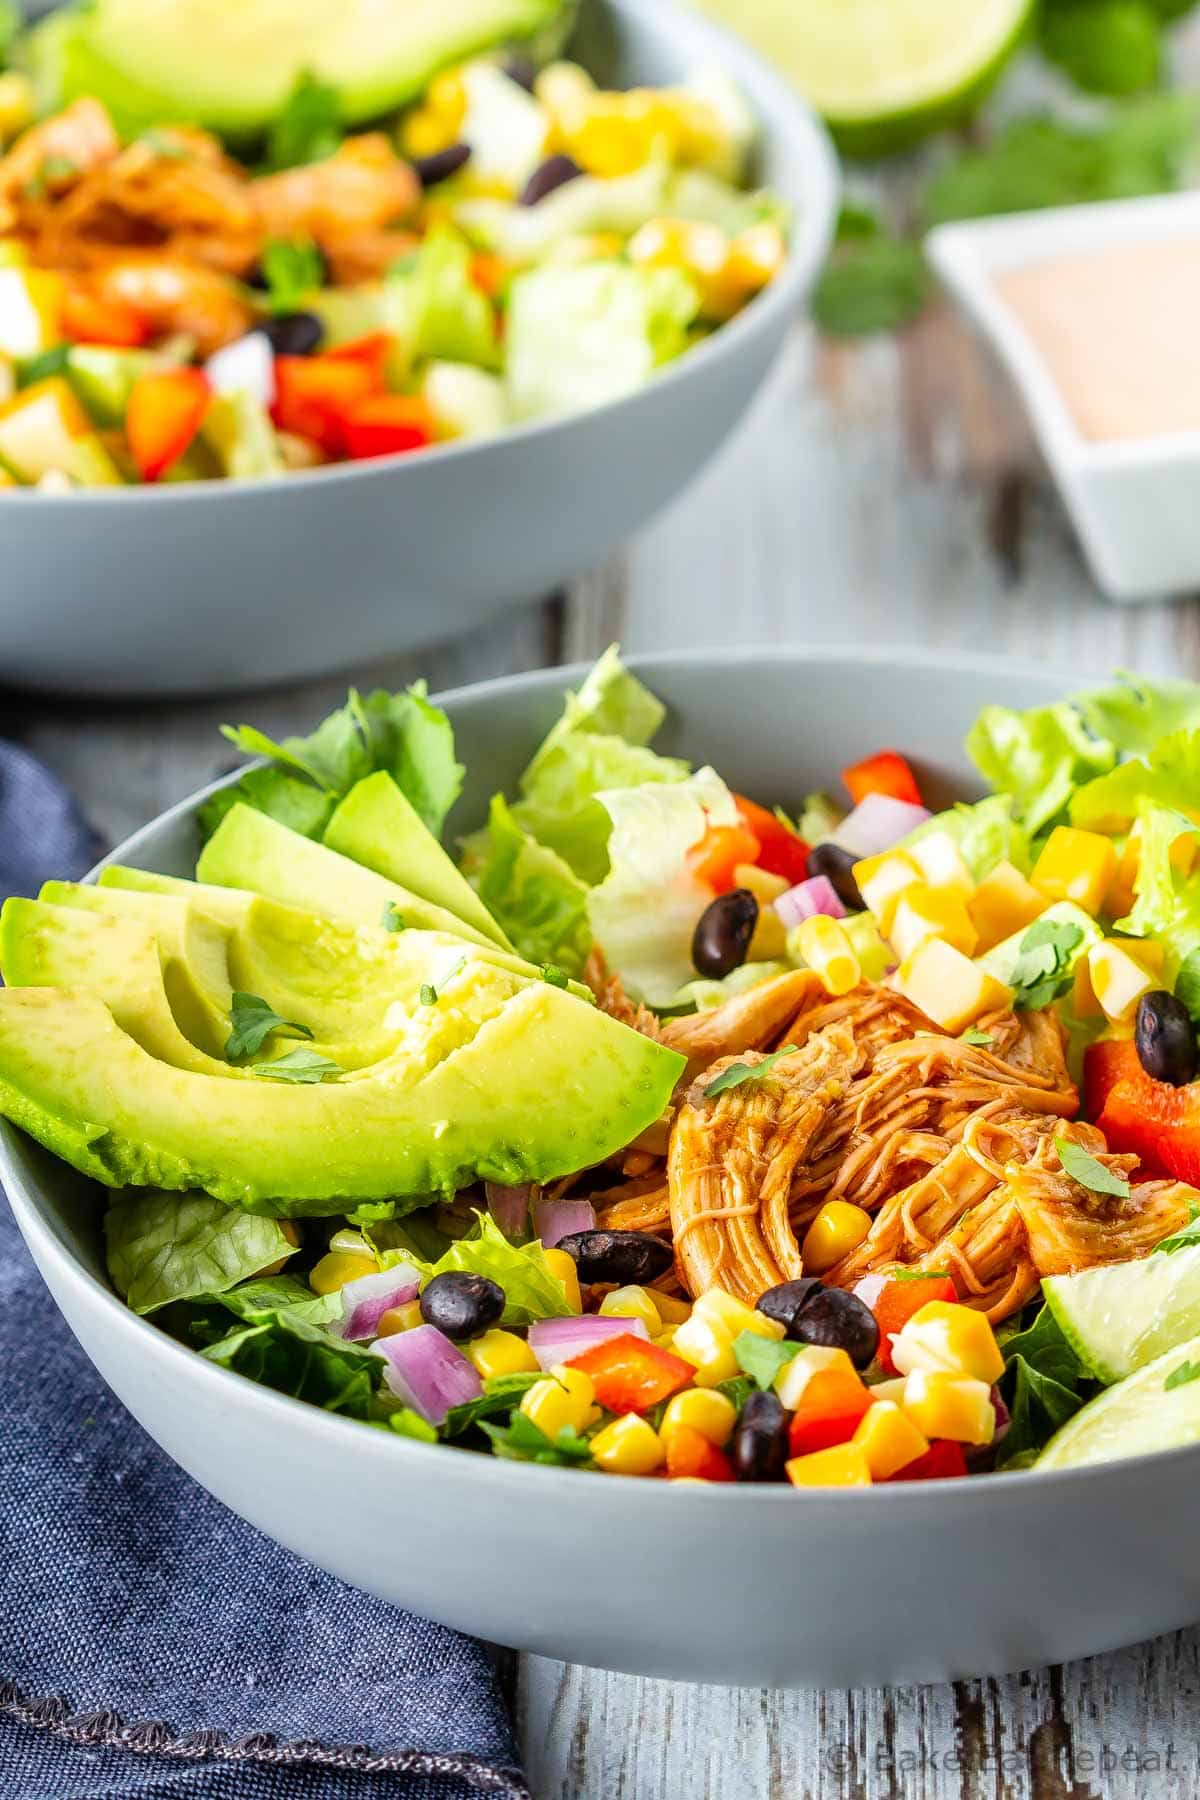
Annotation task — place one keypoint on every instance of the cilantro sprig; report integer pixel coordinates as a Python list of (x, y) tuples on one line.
[(523, 1441), (740, 1072), (252, 1020), (301, 1067), (1095, 1176), (1042, 970), (761, 1358)]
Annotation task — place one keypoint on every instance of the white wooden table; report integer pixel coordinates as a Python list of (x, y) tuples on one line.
[(882, 492)]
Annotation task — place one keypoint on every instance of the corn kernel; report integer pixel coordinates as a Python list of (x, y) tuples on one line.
[(837, 1229), (629, 1446), (888, 1439), (425, 133), (943, 1405), (672, 1309), (756, 256), (499, 1352), (708, 1349), (700, 250), (948, 986), (563, 1401), (1003, 902), (1119, 977), (1076, 865), (666, 1337), (941, 864), (925, 912), (945, 1335), (713, 1415), (811, 1360), (562, 1266), (845, 1465), (829, 953), (881, 881), (633, 1303), (403, 1318), (446, 95), (338, 1268)]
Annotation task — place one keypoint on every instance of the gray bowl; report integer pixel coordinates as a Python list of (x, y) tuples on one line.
[(183, 590), (735, 1585)]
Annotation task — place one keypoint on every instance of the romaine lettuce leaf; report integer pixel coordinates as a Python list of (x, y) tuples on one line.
[(534, 896), (1167, 902), (531, 1290), (644, 913), (986, 834), (581, 335), (164, 1247), (1038, 758), (1168, 776), (1134, 713), (284, 1351), (436, 309), (702, 993)]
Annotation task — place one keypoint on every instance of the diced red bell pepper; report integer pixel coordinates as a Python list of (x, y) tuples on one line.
[(312, 394), (630, 1375), (943, 1459), (163, 415), (490, 272), (85, 319), (385, 424), (884, 773), (1150, 1119), (780, 850), (1104, 1065), (714, 859), (689, 1454), (828, 1411), (371, 351), (895, 1301)]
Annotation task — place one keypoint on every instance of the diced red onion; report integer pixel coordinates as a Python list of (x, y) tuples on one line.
[(365, 1301), (553, 1220), (246, 365), (559, 1340), (509, 1207), (877, 823), (425, 1370), (816, 896)]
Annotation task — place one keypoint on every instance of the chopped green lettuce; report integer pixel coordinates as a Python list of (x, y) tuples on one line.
[(526, 234), (986, 834), (1167, 902), (163, 1247), (580, 336), (534, 896), (285, 1351), (531, 1290), (819, 819), (703, 993), (435, 307), (644, 913), (1168, 776)]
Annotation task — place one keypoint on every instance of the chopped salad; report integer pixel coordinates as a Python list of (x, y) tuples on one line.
[(665, 1131), (191, 291)]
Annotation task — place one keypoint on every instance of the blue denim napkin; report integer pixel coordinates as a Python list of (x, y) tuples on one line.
[(153, 1646)]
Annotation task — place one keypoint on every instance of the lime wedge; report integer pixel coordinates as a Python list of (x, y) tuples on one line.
[(882, 73), (1158, 1408), (1118, 1319)]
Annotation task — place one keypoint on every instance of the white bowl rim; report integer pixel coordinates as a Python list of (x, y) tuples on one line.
[(140, 1334), (773, 101)]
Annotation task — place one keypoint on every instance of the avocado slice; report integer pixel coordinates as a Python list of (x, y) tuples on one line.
[(377, 825), (547, 1085), (233, 67)]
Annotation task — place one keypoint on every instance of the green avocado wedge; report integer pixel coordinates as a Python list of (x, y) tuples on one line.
[(377, 825), (544, 1087)]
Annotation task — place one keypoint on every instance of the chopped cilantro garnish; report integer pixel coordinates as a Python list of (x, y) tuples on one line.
[(1090, 1174), (429, 994), (554, 975), (291, 268), (739, 1072), (1185, 1238), (301, 1066), (522, 1441), (762, 1358), (1181, 1374), (917, 1274), (1042, 969), (393, 918), (253, 1020), (980, 1038)]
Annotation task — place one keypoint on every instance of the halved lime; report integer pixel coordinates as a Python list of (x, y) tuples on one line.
[(1118, 1319), (1156, 1409), (882, 73)]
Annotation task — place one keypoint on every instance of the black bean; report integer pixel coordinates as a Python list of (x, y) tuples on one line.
[(1165, 1039), (620, 1256), (758, 1448), (837, 866), (555, 172), (783, 1303), (462, 1305), (429, 170), (838, 1320), (521, 69), (293, 334), (722, 937)]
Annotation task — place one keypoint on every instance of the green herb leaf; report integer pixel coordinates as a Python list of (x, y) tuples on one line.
[(46, 363), (522, 1441), (393, 918), (1187, 984), (1180, 1375), (303, 1066), (407, 1423), (253, 1020), (292, 268), (1042, 969), (737, 1390), (1183, 1239), (739, 1072), (554, 975), (294, 802), (1105, 46), (872, 283), (429, 994), (762, 1358), (1040, 1385), (917, 1274), (502, 1394), (856, 222), (164, 1247), (308, 127), (980, 1038), (1097, 1177)]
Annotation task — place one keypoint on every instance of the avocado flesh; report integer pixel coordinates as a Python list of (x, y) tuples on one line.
[(546, 1086), (250, 850), (377, 825)]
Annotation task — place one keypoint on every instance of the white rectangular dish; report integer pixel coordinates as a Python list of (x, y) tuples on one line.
[(1134, 502)]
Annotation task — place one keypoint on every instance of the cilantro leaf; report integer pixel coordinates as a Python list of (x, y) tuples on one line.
[(555, 976), (1185, 1238), (739, 1072), (975, 1036), (393, 918), (522, 1441), (737, 1390), (1097, 1177), (429, 994), (253, 1020), (501, 1394), (917, 1274), (407, 1423), (46, 362), (309, 125), (762, 1358), (872, 282), (291, 268), (1180, 1375), (1042, 970), (300, 1066)]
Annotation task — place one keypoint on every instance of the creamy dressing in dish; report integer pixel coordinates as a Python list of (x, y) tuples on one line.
[(1119, 330)]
